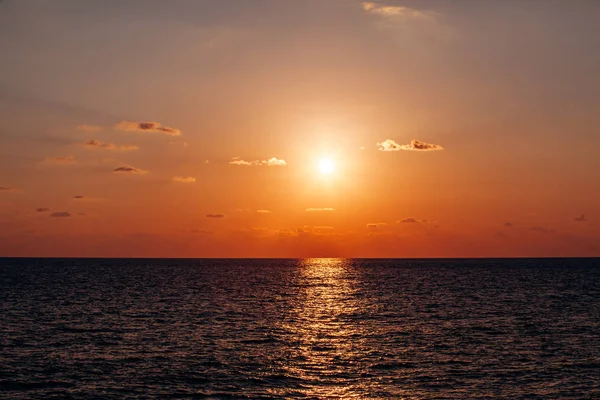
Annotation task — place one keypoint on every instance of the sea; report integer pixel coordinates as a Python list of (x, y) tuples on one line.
[(300, 329)]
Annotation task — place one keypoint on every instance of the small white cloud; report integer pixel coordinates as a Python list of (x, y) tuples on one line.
[(236, 161), (319, 209), (271, 162), (414, 145), (399, 12), (389, 145)]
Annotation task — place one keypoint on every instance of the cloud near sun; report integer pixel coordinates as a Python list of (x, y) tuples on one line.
[(415, 145), (271, 162), (147, 126)]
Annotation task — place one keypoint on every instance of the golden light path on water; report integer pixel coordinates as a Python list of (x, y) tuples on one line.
[(329, 327)]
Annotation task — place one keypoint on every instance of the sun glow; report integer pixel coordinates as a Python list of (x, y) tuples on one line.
[(326, 166)]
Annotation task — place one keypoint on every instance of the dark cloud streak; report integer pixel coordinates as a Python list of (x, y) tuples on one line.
[(215, 215)]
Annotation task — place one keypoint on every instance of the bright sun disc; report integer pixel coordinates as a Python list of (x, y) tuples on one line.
[(326, 166)]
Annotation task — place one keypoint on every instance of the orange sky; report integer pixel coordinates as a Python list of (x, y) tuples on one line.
[(196, 128)]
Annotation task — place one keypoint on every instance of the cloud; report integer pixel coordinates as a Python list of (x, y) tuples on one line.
[(376, 225), (61, 160), (42, 209), (408, 221), (6, 188), (368, 5), (239, 162), (97, 143), (542, 229), (215, 215), (389, 145), (319, 209), (396, 11), (271, 162), (581, 218), (184, 179), (89, 128), (108, 146), (508, 224), (415, 145), (323, 229), (147, 126), (78, 197), (264, 211), (274, 162), (62, 214), (129, 170)]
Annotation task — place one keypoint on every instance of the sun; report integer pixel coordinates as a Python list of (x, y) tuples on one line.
[(326, 166)]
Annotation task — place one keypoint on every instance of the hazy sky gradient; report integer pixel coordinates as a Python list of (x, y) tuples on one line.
[(509, 89)]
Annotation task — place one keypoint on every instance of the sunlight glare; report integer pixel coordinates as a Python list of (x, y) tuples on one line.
[(326, 166)]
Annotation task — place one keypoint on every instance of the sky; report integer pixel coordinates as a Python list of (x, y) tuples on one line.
[(299, 128)]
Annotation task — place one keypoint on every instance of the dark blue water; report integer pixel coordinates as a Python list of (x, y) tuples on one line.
[(321, 328)]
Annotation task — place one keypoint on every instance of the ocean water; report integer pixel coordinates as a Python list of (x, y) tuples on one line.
[(317, 328)]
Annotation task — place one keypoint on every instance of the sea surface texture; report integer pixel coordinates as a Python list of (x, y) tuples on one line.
[(317, 328)]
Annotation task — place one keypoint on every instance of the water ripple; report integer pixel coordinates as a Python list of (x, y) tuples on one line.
[(322, 328)]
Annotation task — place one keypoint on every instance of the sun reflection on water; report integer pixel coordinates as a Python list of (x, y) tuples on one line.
[(329, 334)]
